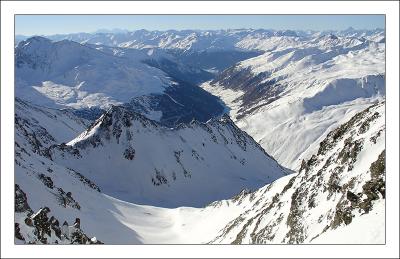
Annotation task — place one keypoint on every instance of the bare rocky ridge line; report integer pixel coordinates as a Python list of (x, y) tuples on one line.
[(321, 176)]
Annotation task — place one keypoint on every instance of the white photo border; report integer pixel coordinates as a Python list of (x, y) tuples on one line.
[(389, 9)]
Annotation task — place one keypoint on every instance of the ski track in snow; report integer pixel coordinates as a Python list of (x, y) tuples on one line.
[(175, 101)]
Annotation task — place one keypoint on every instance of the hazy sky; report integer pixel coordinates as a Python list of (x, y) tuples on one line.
[(59, 24)]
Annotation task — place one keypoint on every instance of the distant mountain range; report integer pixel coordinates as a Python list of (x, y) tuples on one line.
[(265, 136)]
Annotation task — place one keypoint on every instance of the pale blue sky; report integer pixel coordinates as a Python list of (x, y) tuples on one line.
[(59, 24)]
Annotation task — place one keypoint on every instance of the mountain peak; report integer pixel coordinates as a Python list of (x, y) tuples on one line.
[(35, 40), (225, 118), (113, 120), (118, 112), (39, 39), (153, 164), (332, 37), (288, 33)]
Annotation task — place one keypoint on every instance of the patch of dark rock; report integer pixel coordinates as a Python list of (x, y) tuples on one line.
[(348, 155), (17, 232), (129, 153), (288, 185), (294, 220), (21, 201), (66, 199), (365, 125), (46, 180), (84, 180), (159, 178)]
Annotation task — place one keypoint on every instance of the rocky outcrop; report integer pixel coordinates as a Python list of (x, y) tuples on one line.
[(41, 228), (331, 189)]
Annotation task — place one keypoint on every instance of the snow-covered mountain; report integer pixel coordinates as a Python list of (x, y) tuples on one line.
[(42, 127), (339, 190), (120, 137), (70, 74), (203, 40), (41, 187), (185, 40), (214, 50), (120, 155), (137, 160), (157, 72), (289, 98), (84, 77)]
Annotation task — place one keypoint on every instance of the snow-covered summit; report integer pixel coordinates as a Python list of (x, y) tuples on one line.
[(209, 40), (138, 160), (337, 195), (290, 97), (69, 74)]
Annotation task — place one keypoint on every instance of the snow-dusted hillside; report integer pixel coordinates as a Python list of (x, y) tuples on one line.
[(155, 162), (196, 164), (137, 160), (185, 40), (158, 58), (344, 181), (58, 125), (85, 76), (207, 40), (214, 50), (337, 197), (69, 74), (290, 97)]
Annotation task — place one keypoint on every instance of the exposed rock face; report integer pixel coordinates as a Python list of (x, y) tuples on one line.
[(39, 228), (21, 201), (337, 184)]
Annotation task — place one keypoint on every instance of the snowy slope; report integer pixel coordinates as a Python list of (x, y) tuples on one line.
[(138, 160), (158, 58), (42, 187), (289, 98), (213, 50), (371, 227), (186, 40), (59, 125), (46, 185), (123, 179), (90, 78), (69, 74), (337, 197)]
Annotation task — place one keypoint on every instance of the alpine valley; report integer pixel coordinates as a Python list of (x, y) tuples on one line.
[(196, 137)]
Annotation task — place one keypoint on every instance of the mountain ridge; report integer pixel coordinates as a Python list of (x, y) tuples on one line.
[(125, 142), (262, 212), (244, 136)]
